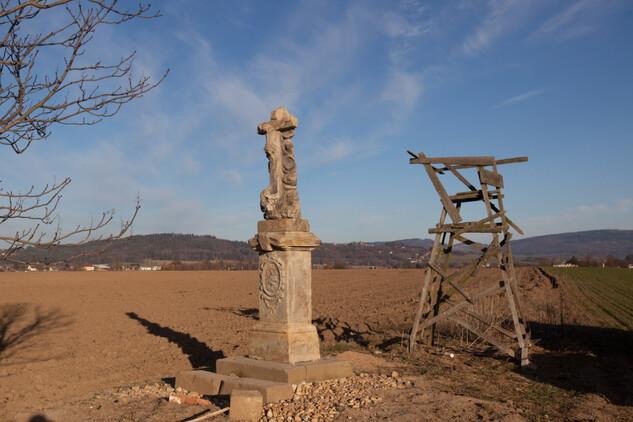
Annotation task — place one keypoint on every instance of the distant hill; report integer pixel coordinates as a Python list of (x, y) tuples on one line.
[(597, 243), (160, 247), (423, 243), (401, 254)]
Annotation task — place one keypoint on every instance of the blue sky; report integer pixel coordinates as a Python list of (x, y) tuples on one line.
[(367, 80)]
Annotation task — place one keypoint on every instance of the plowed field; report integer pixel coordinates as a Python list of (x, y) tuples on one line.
[(68, 341)]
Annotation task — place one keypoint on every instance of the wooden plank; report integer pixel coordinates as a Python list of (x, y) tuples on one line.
[(448, 229), (462, 197), (425, 289), (470, 243), (414, 155), (476, 195), (490, 178), (472, 267), (470, 227), (500, 330), (518, 324), (461, 305), (463, 179), (449, 280), (510, 222), (509, 263), (421, 303), (499, 345), (512, 160), (470, 161), (446, 201)]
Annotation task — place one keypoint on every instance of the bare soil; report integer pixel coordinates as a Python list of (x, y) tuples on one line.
[(91, 346)]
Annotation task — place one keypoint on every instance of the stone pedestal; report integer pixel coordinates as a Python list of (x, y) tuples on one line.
[(284, 345), (285, 332)]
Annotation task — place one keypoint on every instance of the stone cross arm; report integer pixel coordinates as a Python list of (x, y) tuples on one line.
[(280, 120)]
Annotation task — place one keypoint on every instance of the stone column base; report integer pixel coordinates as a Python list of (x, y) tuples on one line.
[(284, 343)]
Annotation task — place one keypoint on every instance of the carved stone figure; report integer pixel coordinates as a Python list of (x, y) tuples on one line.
[(280, 200)]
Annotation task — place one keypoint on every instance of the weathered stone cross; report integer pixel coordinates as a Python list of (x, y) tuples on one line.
[(280, 199)]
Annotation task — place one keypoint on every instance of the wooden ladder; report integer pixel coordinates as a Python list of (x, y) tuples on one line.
[(445, 295)]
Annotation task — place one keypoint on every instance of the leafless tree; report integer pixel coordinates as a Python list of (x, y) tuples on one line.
[(37, 93)]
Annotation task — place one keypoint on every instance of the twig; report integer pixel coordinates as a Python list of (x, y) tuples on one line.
[(210, 415)]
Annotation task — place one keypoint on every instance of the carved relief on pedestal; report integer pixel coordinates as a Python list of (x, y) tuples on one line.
[(280, 200), (272, 284)]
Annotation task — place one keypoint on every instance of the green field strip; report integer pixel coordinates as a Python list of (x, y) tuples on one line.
[(614, 300), (596, 299), (574, 290), (613, 285), (602, 293), (602, 298), (613, 294)]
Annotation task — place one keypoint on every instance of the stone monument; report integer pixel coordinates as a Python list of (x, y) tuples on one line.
[(285, 332), (284, 345)]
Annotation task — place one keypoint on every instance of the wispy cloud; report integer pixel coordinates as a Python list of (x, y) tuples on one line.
[(579, 19), (616, 214), (620, 206), (335, 150), (503, 16), (402, 91), (405, 20), (519, 98), (232, 177)]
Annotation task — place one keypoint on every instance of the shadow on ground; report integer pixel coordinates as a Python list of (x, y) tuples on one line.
[(199, 354), (334, 330), (21, 326), (585, 360), (251, 313)]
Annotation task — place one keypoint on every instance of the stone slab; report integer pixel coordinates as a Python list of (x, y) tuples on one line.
[(284, 225), (319, 370), (285, 241), (284, 343), (246, 405), (212, 384), (202, 382)]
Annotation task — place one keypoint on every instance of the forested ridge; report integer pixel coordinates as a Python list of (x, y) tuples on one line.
[(404, 253)]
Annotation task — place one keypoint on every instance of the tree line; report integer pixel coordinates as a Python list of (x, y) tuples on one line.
[(609, 261)]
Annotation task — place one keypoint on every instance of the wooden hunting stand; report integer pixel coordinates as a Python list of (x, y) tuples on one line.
[(440, 287)]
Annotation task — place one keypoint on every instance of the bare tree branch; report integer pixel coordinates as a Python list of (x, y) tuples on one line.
[(40, 206), (31, 103), (35, 97)]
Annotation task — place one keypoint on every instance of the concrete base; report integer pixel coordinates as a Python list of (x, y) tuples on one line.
[(212, 384), (320, 370), (274, 380), (284, 343)]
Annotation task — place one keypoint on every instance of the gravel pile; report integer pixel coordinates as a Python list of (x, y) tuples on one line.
[(313, 402), (149, 390), (323, 401)]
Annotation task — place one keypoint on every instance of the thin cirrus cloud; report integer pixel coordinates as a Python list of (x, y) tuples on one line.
[(334, 151), (579, 19), (402, 90), (519, 98), (503, 17), (618, 212), (397, 25)]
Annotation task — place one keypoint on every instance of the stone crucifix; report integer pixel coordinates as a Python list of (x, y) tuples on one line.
[(280, 199), (283, 346), (284, 332)]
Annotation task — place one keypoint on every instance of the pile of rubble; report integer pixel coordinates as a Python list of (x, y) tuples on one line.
[(323, 401), (313, 402)]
